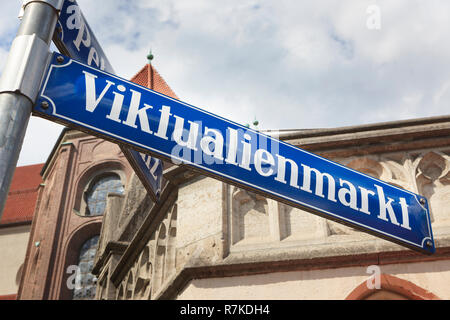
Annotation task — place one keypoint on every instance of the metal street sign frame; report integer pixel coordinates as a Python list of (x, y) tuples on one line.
[(75, 38), (105, 105)]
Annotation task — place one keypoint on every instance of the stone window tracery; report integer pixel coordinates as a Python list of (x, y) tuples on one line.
[(97, 193), (85, 281)]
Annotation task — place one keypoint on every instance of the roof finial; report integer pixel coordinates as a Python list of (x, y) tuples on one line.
[(150, 57), (255, 124)]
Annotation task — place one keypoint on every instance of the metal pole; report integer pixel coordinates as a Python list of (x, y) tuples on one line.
[(20, 82)]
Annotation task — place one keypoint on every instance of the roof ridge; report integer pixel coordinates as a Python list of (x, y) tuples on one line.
[(138, 73), (164, 81), (151, 80)]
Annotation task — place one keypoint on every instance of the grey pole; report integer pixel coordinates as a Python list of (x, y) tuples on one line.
[(20, 82)]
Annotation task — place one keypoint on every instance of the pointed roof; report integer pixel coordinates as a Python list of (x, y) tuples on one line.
[(150, 78), (22, 196)]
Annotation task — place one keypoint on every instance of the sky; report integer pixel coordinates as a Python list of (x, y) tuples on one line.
[(287, 64)]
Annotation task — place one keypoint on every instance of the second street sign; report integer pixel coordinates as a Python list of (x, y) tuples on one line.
[(113, 108), (75, 38)]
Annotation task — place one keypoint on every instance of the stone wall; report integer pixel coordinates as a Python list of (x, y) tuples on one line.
[(207, 229)]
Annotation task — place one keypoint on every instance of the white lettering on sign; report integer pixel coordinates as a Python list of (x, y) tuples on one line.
[(91, 97), (147, 160), (75, 21), (211, 142)]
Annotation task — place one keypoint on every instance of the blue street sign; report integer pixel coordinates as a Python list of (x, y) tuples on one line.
[(153, 172), (75, 38), (105, 105)]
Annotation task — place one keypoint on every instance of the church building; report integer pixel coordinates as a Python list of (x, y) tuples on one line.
[(97, 234)]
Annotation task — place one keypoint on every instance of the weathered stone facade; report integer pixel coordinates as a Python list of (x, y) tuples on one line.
[(207, 239)]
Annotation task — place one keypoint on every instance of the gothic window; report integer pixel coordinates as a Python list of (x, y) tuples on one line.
[(97, 193), (85, 281)]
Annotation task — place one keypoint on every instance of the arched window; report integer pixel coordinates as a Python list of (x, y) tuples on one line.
[(391, 288), (85, 281), (98, 191)]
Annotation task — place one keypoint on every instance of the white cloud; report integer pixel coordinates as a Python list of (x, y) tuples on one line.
[(8, 19)]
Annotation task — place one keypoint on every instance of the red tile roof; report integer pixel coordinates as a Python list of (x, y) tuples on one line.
[(22, 195), (9, 297), (150, 78)]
